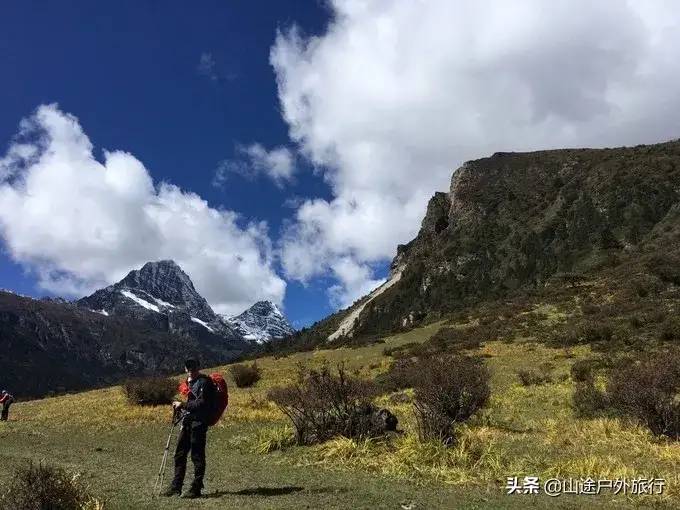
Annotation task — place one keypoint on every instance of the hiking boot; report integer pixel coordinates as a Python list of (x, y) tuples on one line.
[(170, 492), (192, 493)]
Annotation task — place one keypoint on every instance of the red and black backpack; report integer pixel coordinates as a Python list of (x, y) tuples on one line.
[(221, 396)]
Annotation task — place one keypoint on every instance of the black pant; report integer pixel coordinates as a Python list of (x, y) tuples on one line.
[(192, 438), (5, 412)]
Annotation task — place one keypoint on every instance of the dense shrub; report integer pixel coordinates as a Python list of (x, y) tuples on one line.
[(400, 350), (448, 390), (643, 285), (637, 321), (447, 340), (398, 377), (245, 376), (534, 376), (43, 487), (670, 329), (656, 316), (150, 390), (582, 370), (590, 308), (648, 390), (588, 400), (596, 332), (666, 267), (323, 405), (586, 332), (456, 339), (571, 279)]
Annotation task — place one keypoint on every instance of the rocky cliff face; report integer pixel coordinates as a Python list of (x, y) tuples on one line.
[(262, 322), (515, 219)]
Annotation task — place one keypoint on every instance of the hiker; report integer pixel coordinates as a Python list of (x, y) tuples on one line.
[(198, 409), (6, 400)]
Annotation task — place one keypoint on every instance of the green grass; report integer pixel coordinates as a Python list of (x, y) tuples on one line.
[(252, 464)]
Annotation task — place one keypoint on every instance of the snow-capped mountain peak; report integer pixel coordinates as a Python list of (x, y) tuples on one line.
[(262, 322), (162, 295), (168, 286)]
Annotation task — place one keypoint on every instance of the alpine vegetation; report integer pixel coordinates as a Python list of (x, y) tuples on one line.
[(322, 405)]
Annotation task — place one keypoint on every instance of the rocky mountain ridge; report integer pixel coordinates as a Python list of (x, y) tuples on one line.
[(514, 221), (147, 323), (163, 295), (52, 346)]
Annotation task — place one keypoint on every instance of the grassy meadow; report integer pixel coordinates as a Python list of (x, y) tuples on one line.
[(115, 448)]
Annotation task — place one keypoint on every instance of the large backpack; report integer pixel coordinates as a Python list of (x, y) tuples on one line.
[(221, 396)]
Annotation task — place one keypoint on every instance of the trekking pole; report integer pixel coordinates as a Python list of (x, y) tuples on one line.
[(177, 417)]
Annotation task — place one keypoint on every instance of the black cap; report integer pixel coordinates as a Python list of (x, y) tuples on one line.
[(192, 364)]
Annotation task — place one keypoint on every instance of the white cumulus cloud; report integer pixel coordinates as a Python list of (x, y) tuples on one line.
[(395, 95), (80, 224), (278, 164)]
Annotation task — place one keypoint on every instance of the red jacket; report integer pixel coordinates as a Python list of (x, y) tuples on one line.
[(6, 398)]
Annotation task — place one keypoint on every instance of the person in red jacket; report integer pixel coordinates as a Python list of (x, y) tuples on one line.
[(6, 400)]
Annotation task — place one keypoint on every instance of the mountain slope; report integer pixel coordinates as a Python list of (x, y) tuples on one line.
[(49, 346), (262, 322), (514, 220)]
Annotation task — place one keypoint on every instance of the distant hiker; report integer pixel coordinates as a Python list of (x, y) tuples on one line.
[(199, 412), (6, 400)]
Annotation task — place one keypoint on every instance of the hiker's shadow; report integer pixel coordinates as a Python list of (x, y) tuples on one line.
[(258, 491)]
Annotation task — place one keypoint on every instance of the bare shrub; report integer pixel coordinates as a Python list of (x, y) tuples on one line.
[(322, 405), (588, 400), (245, 376), (448, 390), (150, 391), (648, 389), (41, 486)]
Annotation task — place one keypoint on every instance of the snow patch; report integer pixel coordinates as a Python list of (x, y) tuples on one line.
[(103, 312), (164, 303), (202, 323), (140, 301)]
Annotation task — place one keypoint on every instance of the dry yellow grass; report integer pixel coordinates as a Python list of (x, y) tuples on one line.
[(524, 430)]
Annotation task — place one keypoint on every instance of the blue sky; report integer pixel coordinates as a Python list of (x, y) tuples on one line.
[(130, 72), (282, 150)]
